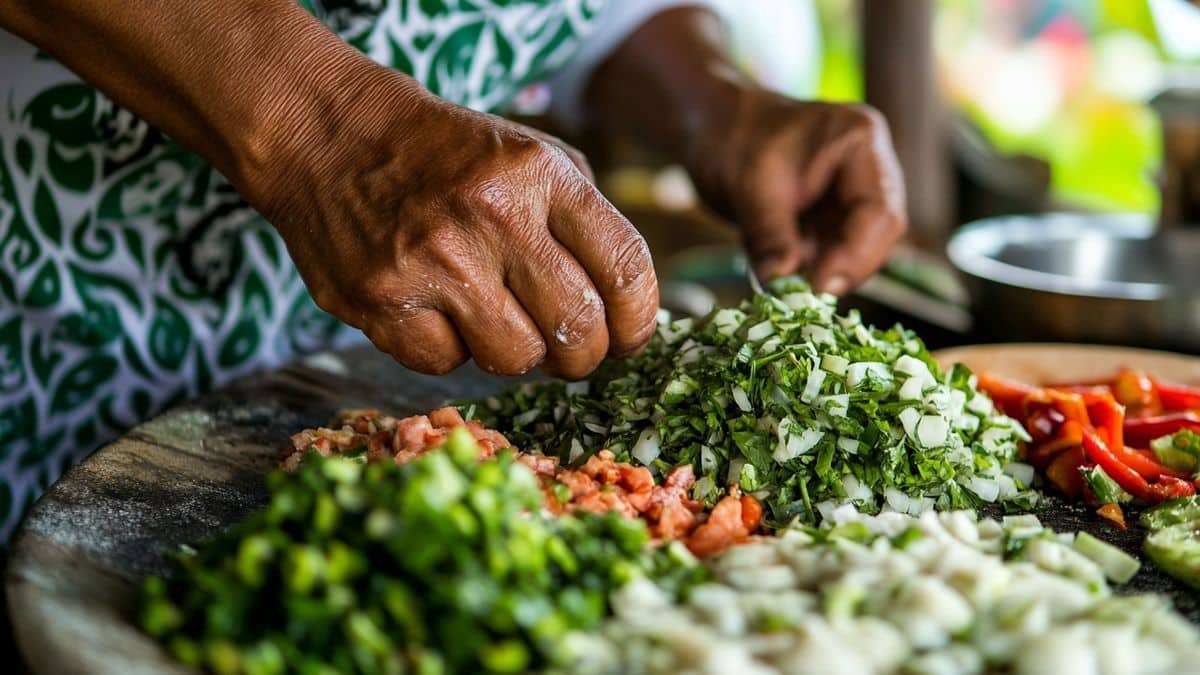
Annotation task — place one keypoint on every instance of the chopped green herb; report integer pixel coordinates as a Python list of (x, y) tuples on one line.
[(793, 402), (443, 565)]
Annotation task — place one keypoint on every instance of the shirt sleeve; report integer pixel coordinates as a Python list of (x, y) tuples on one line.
[(617, 21)]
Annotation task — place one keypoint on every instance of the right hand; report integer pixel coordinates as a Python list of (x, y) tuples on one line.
[(444, 233)]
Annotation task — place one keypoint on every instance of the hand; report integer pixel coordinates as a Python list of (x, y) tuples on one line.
[(444, 233), (814, 186)]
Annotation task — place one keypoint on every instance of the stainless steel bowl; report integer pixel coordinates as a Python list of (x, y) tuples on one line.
[(1082, 277)]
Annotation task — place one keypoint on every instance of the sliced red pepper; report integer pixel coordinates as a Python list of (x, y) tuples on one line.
[(1145, 463), (1177, 396), (1064, 474), (1070, 406), (1140, 431), (1070, 435), (1129, 480), (1137, 392), (1169, 487), (1082, 388), (1006, 394), (1104, 412)]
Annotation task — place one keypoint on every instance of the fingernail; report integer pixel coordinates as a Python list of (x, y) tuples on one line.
[(837, 285)]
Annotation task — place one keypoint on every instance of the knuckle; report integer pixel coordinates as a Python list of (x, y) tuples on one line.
[(632, 266), (640, 335), (525, 352), (440, 365), (490, 199), (866, 116), (432, 360), (583, 318), (574, 369), (446, 253)]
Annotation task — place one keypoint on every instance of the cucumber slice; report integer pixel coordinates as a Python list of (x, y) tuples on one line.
[(1176, 549), (1175, 511), (1116, 564)]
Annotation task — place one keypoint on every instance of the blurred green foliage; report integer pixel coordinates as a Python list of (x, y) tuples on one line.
[(1102, 144)]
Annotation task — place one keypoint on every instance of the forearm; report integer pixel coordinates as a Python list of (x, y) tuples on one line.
[(231, 80), (670, 82)]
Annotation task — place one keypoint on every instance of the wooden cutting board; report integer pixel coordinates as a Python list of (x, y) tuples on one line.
[(195, 470)]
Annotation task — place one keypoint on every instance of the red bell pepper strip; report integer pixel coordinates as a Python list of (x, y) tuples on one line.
[(1070, 435), (1137, 392), (1140, 431), (1145, 463), (1064, 474), (1168, 487), (1006, 394), (1131, 481), (1104, 412), (1177, 396)]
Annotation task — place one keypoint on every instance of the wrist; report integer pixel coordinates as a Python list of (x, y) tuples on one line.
[(309, 113)]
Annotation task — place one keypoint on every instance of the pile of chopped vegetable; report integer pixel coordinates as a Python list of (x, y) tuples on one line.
[(599, 485), (800, 407), (1113, 441), (942, 593), (443, 564)]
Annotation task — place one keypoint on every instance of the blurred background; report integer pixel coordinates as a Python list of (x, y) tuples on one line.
[(998, 108)]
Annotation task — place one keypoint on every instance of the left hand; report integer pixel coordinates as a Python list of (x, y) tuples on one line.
[(814, 186)]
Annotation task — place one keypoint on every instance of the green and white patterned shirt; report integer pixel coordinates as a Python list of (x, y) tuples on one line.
[(132, 276)]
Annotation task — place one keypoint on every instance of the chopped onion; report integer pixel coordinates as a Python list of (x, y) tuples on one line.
[(735, 470), (575, 452), (909, 417), (728, 321), (741, 399), (848, 445), (760, 331), (813, 386), (855, 490), (912, 389), (1021, 471), (834, 364), (932, 431), (526, 417), (986, 489), (646, 449), (817, 333), (836, 404)]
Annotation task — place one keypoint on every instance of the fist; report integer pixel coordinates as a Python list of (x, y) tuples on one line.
[(446, 234)]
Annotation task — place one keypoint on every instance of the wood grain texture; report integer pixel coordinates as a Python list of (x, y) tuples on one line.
[(199, 468)]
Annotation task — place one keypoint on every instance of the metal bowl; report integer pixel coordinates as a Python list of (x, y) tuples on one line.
[(1082, 278)]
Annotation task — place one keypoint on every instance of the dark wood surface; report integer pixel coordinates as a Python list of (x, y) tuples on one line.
[(195, 470)]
